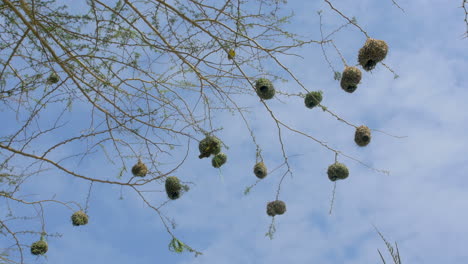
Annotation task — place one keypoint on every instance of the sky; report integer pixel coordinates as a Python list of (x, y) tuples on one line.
[(422, 204)]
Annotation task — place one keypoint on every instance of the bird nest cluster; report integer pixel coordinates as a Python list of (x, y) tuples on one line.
[(79, 218), (264, 88), (362, 137), (276, 208), (350, 79), (139, 169), (313, 99), (260, 170), (39, 247), (211, 145), (173, 187), (337, 171), (371, 53)]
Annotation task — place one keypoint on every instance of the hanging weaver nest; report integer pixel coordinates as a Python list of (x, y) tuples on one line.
[(173, 187), (276, 208), (53, 78), (139, 169), (39, 247), (312, 99), (260, 170), (337, 171), (209, 145), (350, 79), (371, 53), (362, 136), (264, 88), (218, 160), (79, 218)]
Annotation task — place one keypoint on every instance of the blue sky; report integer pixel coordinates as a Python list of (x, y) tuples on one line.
[(422, 204)]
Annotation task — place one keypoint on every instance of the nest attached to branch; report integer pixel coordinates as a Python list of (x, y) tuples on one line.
[(79, 218), (371, 53), (264, 88), (53, 78), (362, 137), (173, 187), (313, 99), (139, 169), (218, 160), (39, 247), (260, 170), (337, 171), (209, 145), (276, 208), (350, 79)]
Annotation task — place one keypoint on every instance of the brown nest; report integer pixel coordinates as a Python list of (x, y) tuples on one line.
[(218, 160), (371, 53), (39, 247), (209, 145), (276, 208), (350, 79), (139, 169), (264, 88), (362, 137), (173, 187), (79, 218), (313, 99), (260, 170), (337, 171)]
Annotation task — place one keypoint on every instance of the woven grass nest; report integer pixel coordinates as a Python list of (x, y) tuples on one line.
[(260, 170), (337, 171), (209, 145), (276, 208), (371, 53), (173, 187), (350, 79), (39, 247), (313, 99), (219, 160), (264, 88), (53, 78), (79, 218), (362, 137), (139, 169)]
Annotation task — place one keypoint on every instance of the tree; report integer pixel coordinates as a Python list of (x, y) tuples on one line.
[(148, 80)]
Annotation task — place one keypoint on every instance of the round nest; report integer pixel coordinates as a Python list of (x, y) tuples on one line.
[(362, 137), (218, 160), (173, 187), (276, 208), (260, 170), (209, 145), (371, 53), (312, 99), (79, 218), (264, 88), (337, 171), (39, 247), (350, 79), (53, 78), (139, 169)]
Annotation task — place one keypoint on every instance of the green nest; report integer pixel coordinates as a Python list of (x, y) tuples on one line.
[(337, 171), (350, 79), (79, 218), (218, 160), (173, 187), (371, 53), (264, 88), (260, 170), (313, 99), (139, 169), (209, 145), (53, 78), (276, 208), (362, 137), (39, 247)]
